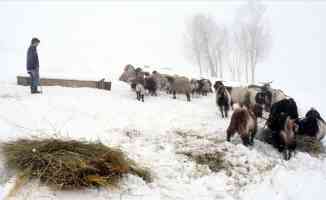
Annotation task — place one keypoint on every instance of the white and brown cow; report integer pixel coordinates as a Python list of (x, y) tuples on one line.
[(243, 122)]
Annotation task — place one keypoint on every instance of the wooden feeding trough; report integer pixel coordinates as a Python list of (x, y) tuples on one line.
[(101, 84)]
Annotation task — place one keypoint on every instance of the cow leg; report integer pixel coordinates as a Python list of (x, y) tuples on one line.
[(287, 153), (221, 110), (292, 148), (174, 95), (188, 96), (232, 104), (138, 96), (253, 134), (277, 141), (226, 110), (245, 140), (142, 98), (228, 135)]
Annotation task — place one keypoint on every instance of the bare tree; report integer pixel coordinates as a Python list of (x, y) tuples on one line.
[(232, 56), (241, 43), (220, 46), (208, 33), (213, 47), (205, 41), (254, 35), (194, 41)]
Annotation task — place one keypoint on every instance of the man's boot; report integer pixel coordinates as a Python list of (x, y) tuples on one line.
[(36, 91), (33, 90)]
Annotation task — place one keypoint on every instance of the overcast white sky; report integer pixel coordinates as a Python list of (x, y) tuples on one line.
[(100, 38)]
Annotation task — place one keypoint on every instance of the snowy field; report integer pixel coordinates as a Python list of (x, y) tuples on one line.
[(154, 133)]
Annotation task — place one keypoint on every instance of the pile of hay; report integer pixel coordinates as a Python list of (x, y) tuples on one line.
[(304, 143), (214, 160), (309, 144), (69, 164)]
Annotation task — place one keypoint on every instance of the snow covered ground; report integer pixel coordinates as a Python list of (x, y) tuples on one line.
[(154, 133)]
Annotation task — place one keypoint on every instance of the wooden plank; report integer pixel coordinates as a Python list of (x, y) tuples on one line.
[(25, 81)]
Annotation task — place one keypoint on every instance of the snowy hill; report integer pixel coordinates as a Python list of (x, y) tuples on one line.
[(154, 133)]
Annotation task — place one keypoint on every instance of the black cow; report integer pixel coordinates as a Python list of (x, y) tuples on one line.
[(284, 138), (281, 122), (312, 125), (204, 86), (287, 106), (150, 85)]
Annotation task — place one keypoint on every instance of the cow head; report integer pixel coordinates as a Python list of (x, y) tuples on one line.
[(314, 114), (264, 98), (217, 84)]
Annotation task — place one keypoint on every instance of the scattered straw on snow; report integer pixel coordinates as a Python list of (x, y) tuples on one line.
[(242, 165)]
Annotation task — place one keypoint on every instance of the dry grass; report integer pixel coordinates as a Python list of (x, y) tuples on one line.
[(309, 145), (69, 164), (215, 160)]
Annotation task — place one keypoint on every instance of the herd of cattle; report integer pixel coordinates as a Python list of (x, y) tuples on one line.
[(248, 104)]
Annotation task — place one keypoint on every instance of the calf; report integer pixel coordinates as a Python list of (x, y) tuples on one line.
[(223, 100), (244, 122)]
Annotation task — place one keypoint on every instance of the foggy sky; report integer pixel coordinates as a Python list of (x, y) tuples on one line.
[(100, 38)]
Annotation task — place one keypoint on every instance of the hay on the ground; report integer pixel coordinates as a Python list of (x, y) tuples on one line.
[(309, 144), (69, 164), (214, 160)]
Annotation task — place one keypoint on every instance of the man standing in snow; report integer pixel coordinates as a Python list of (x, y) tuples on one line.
[(33, 65)]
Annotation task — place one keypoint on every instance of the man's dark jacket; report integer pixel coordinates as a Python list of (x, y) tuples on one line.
[(32, 59)]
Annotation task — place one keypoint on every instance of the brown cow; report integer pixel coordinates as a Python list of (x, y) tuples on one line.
[(244, 122)]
